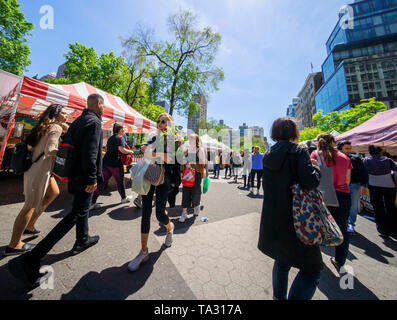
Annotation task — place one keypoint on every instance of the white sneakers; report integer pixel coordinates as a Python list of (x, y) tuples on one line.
[(196, 211), (142, 257), (184, 214), (183, 217), (168, 237), (95, 206), (126, 199), (138, 202)]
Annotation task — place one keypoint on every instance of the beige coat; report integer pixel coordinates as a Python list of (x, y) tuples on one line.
[(35, 180)]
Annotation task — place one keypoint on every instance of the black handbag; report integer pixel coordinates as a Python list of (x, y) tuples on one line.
[(21, 158)]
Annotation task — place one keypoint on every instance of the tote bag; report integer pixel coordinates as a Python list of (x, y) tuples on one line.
[(139, 184), (327, 183), (313, 223)]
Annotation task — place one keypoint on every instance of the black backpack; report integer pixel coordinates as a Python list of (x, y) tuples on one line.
[(21, 158), (64, 160)]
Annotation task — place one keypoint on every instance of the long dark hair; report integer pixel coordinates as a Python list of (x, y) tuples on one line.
[(324, 146), (44, 121)]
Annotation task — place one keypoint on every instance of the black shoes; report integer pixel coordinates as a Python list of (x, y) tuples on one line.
[(335, 264), (13, 252), (78, 248), (34, 232)]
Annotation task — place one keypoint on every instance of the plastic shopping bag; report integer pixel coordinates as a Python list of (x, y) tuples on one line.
[(139, 184), (189, 177), (206, 184)]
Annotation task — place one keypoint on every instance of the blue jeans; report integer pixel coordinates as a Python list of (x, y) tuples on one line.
[(303, 287), (355, 206), (217, 169)]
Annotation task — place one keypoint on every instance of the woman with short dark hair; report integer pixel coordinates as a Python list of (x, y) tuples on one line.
[(284, 165), (382, 191)]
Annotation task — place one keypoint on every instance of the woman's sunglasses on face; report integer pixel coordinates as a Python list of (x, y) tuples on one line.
[(161, 121)]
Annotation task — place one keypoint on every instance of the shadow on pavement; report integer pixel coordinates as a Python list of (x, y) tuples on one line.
[(115, 283), (330, 286), (371, 249), (13, 289), (330, 251), (11, 189), (96, 212), (125, 214)]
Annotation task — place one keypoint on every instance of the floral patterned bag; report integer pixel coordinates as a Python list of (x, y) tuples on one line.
[(314, 224)]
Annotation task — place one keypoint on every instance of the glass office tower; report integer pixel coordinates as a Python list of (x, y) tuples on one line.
[(362, 58)]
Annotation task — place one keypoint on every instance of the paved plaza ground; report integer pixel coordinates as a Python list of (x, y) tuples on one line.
[(217, 259)]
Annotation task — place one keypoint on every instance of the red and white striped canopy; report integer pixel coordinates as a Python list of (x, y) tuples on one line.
[(36, 95)]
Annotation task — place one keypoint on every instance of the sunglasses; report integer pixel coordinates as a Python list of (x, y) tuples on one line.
[(161, 121)]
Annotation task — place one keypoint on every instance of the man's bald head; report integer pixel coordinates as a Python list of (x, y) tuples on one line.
[(95, 103)]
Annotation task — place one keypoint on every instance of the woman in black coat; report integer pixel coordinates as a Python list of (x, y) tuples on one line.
[(285, 164)]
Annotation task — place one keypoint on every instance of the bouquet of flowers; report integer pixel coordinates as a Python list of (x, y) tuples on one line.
[(173, 141)]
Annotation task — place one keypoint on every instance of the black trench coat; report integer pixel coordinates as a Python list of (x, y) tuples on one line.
[(283, 165)]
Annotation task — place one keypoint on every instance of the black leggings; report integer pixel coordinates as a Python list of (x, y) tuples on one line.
[(161, 202), (259, 173), (191, 197)]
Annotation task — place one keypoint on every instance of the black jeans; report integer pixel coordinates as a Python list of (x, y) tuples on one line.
[(191, 197), (161, 202), (78, 216), (383, 201), (259, 175), (341, 216)]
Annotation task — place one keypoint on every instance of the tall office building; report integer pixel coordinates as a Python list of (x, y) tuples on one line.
[(292, 108), (242, 129), (165, 105), (362, 57), (306, 107), (192, 120)]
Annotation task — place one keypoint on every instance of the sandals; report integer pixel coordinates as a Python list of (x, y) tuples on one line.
[(12, 252)]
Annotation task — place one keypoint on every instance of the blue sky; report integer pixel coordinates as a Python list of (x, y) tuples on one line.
[(266, 52)]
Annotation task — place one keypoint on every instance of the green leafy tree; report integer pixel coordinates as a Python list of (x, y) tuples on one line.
[(185, 67), (349, 119), (106, 71), (14, 29), (309, 133)]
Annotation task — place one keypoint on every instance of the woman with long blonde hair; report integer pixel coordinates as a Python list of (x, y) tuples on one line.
[(194, 159), (40, 188), (158, 152)]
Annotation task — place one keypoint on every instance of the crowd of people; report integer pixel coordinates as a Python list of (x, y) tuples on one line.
[(332, 168)]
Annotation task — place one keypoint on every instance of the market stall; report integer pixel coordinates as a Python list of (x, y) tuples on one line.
[(380, 130), (29, 97)]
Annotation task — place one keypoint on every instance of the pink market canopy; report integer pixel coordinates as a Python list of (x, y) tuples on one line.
[(380, 130), (37, 95)]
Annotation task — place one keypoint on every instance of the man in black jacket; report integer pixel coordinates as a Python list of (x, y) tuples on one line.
[(86, 174), (359, 180)]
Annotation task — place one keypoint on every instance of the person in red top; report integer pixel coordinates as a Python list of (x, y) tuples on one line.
[(341, 169)]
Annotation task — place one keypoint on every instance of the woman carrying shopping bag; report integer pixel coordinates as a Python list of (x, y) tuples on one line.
[(163, 157), (194, 168), (284, 165)]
